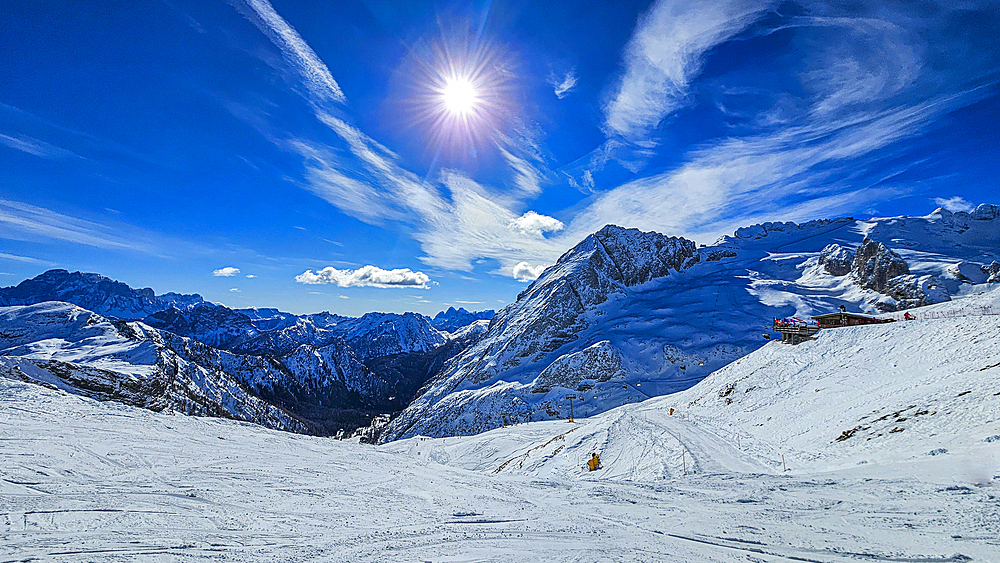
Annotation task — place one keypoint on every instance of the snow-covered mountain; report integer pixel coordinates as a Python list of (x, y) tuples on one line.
[(96, 293), (313, 389), (313, 366), (375, 335), (905, 393), (626, 315), (454, 319), (888, 435)]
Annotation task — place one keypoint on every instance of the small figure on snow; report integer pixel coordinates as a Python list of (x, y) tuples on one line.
[(595, 462)]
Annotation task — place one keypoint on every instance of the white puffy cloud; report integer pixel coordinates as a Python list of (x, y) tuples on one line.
[(525, 272), (954, 204), (251, 276), (226, 272), (366, 276), (532, 223), (234, 289)]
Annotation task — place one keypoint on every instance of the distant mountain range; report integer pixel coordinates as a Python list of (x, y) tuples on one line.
[(626, 315), (622, 316), (319, 373)]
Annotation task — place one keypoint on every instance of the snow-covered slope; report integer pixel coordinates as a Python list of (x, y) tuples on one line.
[(912, 394), (87, 481), (632, 315)]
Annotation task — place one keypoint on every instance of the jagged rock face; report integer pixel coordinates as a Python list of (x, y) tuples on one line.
[(547, 319), (604, 264), (986, 212), (758, 232), (454, 319), (95, 293), (598, 363), (216, 326), (721, 254), (875, 264), (909, 291), (993, 271), (877, 268), (836, 260), (384, 334), (317, 368), (268, 318), (639, 257)]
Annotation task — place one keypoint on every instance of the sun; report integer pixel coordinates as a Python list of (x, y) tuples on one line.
[(462, 93), (459, 96)]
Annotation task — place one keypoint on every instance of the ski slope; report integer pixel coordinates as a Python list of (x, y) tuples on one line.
[(82, 480), (909, 393)]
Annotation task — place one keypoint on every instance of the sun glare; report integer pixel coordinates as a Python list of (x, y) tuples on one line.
[(459, 96), (462, 94)]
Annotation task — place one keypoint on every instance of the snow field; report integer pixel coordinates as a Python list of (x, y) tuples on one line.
[(88, 481), (82, 480)]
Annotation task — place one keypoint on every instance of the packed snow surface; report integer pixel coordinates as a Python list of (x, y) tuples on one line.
[(87, 481)]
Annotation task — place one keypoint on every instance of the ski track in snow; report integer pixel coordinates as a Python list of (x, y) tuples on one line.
[(88, 481)]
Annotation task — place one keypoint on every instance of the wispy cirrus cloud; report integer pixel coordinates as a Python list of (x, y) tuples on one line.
[(871, 77), (664, 55), (296, 51), (475, 227), (562, 87), (22, 221), (24, 259), (366, 276), (35, 146)]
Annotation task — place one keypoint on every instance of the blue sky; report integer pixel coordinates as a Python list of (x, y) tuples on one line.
[(312, 155)]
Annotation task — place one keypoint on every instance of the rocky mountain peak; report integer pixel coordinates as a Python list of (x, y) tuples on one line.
[(454, 319), (836, 260), (639, 256), (875, 264), (93, 292), (986, 212)]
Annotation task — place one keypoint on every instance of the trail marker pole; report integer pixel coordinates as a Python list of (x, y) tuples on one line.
[(684, 462), (783, 467), (570, 398)]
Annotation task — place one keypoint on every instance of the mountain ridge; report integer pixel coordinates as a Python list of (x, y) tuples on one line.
[(612, 343)]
